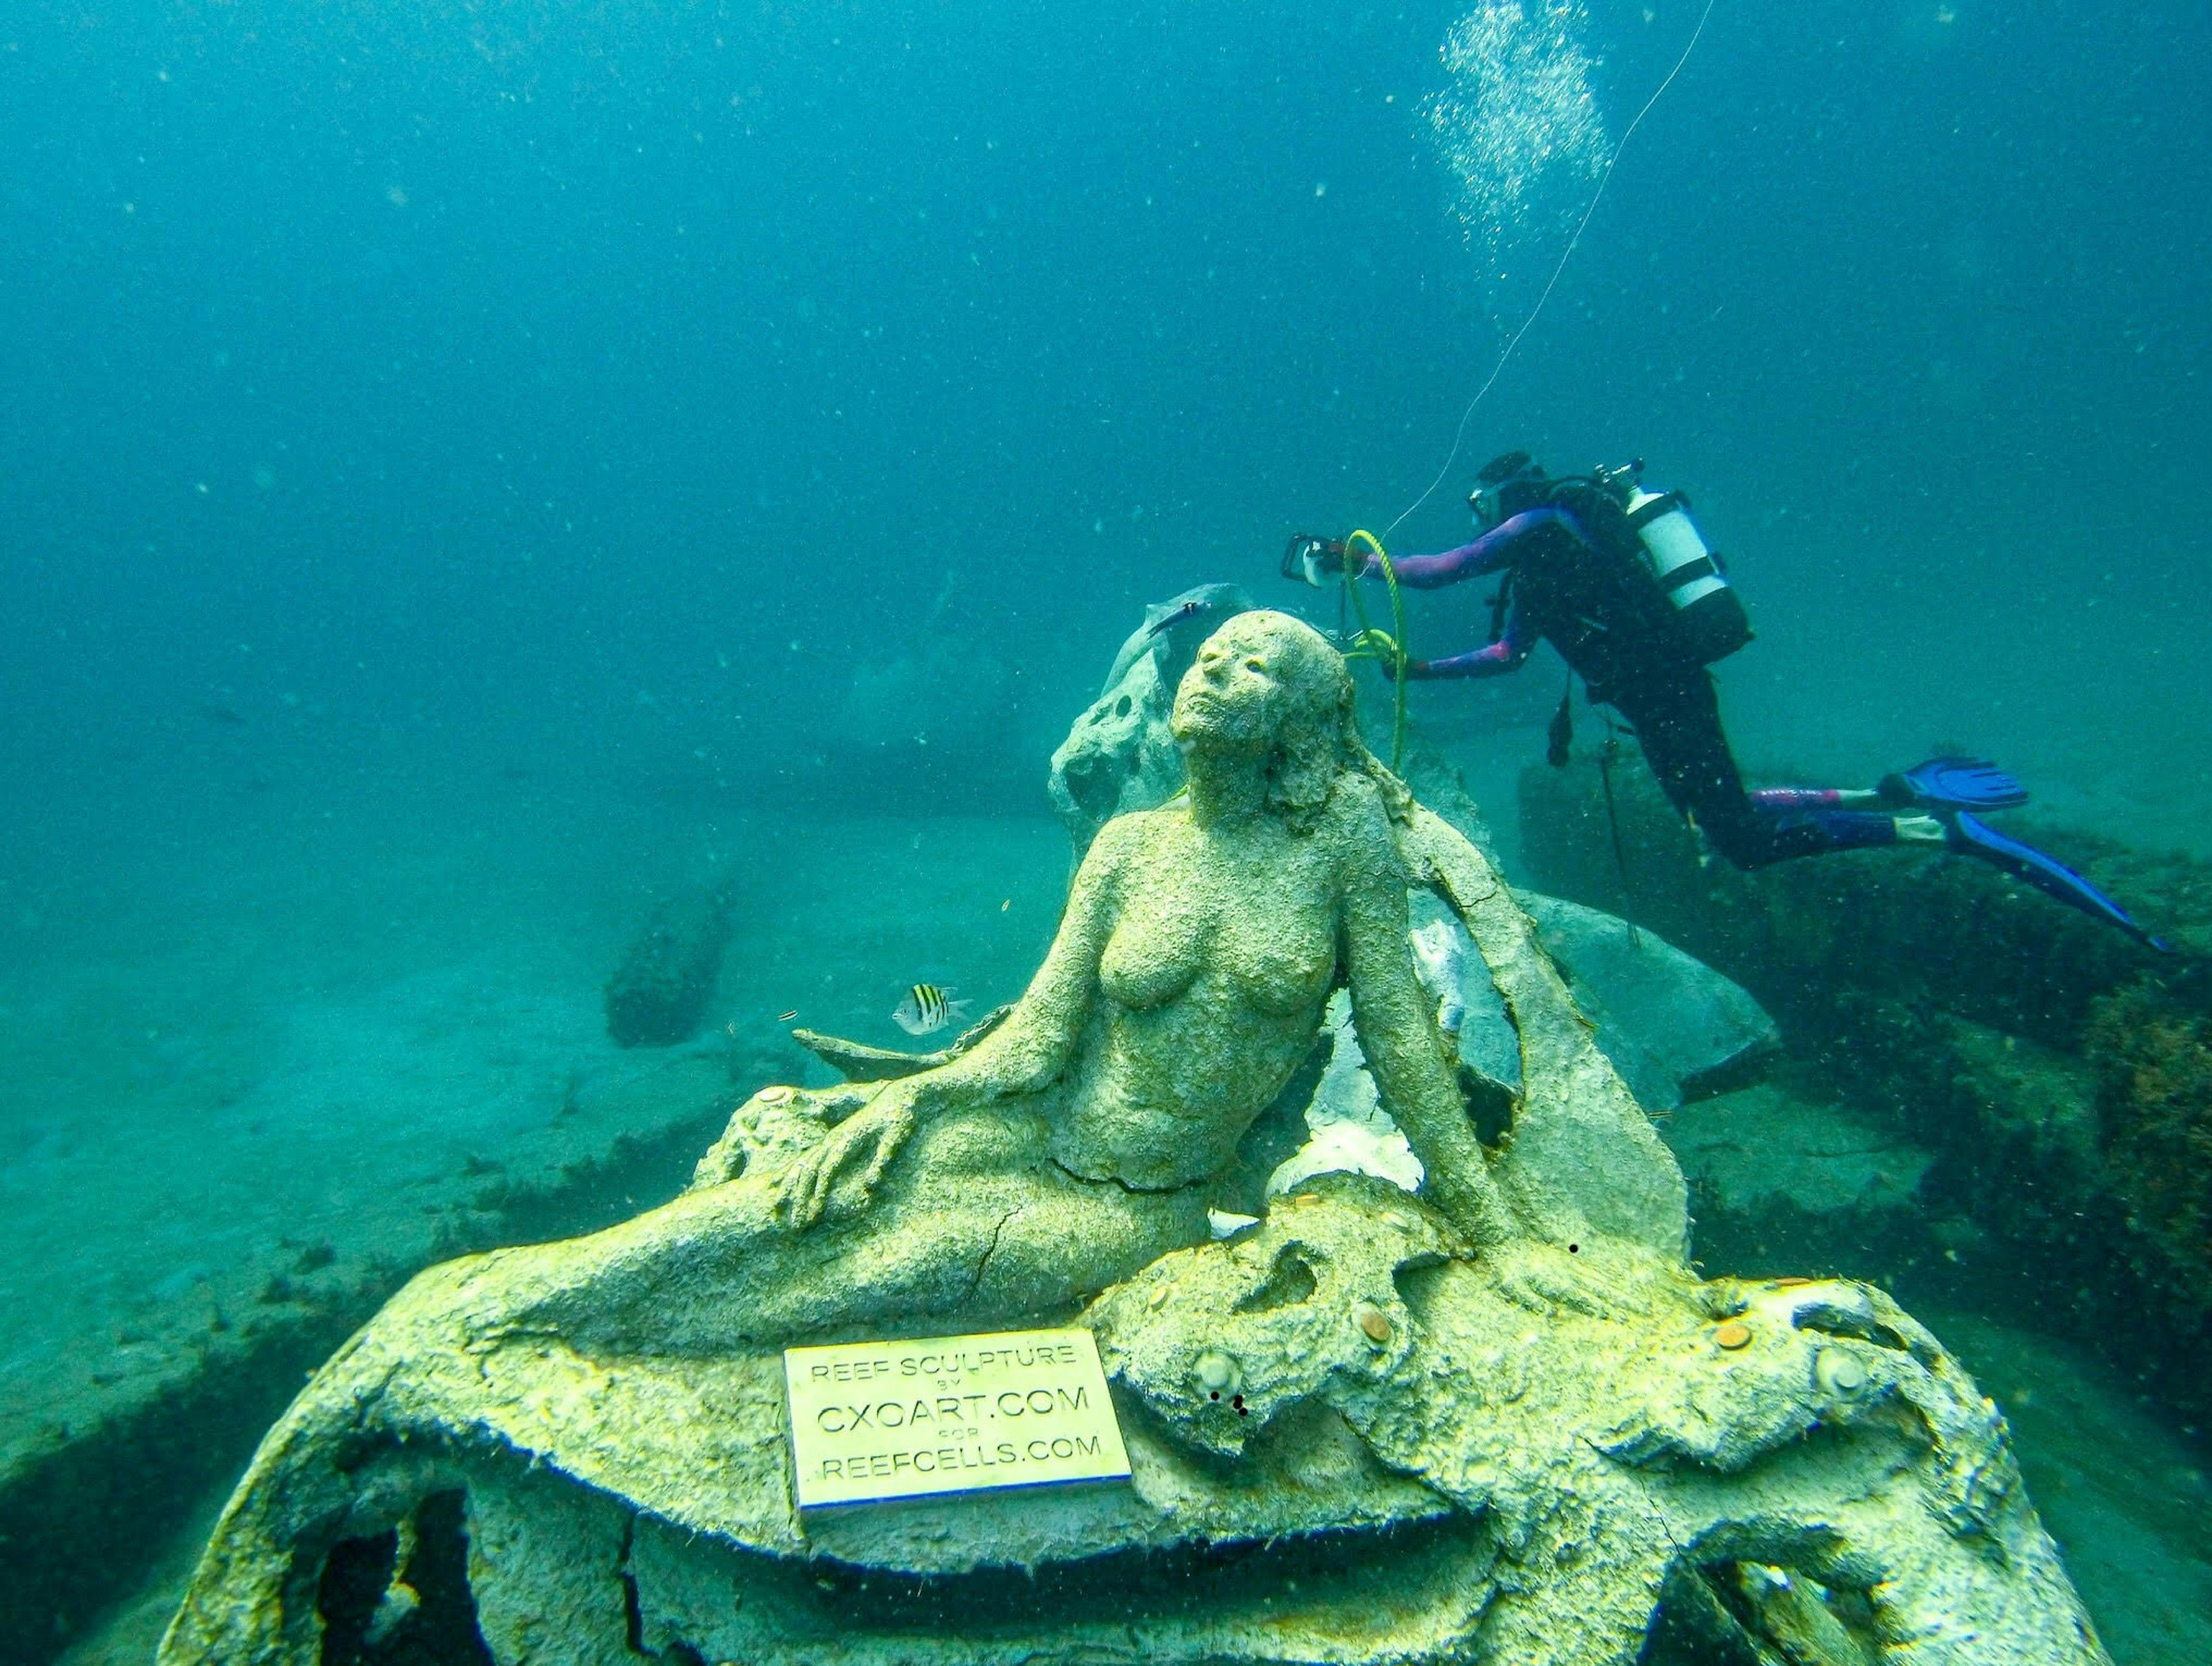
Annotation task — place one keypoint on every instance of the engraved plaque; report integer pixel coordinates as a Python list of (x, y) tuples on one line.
[(874, 1420)]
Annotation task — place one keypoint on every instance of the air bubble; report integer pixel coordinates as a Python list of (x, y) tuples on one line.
[(1517, 127)]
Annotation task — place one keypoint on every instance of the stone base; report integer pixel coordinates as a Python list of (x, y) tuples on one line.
[(1542, 1456)]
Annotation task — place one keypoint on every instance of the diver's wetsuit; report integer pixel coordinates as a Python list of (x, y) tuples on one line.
[(1574, 577)]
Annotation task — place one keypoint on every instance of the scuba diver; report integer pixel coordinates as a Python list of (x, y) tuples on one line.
[(1621, 581)]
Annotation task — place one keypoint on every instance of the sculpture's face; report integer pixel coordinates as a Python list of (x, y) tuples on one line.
[(1233, 693)]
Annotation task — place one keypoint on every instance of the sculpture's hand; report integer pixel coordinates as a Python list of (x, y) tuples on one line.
[(873, 1134)]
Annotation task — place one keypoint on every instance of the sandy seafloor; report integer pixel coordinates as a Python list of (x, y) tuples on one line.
[(300, 1018), (322, 1040)]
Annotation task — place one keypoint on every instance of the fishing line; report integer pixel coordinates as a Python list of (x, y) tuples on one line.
[(1604, 180)]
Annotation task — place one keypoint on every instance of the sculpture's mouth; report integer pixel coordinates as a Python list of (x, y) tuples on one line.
[(1198, 708)]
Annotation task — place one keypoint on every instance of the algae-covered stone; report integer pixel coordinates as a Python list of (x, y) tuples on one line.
[(1497, 1420), (1675, 1029), (1118, 757), (658, 996)]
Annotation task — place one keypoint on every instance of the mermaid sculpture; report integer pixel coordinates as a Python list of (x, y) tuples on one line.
[(1199, 946), (1504, 1419), (1082, 1137)]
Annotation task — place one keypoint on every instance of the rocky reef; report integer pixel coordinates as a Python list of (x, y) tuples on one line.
[(2154, 1063), (2036, 1074), (1499, 1417)]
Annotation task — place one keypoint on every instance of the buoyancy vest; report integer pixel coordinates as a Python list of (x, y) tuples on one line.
[(1600, 604)]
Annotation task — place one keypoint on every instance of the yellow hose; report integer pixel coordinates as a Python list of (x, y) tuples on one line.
[(1377, 644)]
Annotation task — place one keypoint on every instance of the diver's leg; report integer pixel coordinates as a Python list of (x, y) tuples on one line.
[(1787, 800), (1680, 727), (1938, 785)]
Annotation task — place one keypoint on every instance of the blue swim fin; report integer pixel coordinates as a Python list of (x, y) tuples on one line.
[(1955, 783), (1975, 837)]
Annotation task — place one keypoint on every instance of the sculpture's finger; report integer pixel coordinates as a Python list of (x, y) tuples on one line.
[(890, 1137), (796, 1200), (886, 1146), (816, 1195), (865, 1181), (824, 1178), (791, 1195)]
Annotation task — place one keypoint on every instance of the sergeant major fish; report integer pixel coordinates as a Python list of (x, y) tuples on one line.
[(927, 1009)]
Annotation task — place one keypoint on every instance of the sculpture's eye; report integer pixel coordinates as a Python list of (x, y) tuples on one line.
[(1255, 664)]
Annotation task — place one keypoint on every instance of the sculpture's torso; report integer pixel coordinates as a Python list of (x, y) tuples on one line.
[(1223, 950)]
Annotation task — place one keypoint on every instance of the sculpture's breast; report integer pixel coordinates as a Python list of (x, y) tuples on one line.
[(1284, 960), (1156, 951)]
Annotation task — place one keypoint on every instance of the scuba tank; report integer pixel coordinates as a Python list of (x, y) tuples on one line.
[(1709, 613)]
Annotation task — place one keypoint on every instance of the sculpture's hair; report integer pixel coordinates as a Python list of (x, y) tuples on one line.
[(1320, 744)]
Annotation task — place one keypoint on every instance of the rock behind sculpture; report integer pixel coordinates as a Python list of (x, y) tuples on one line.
[(1501, 1421), (1118, 756), (658, 996), (1675, 1029)]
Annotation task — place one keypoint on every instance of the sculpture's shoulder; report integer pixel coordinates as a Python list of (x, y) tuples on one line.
[(1356, 816), (1135, 833), (1124, 845)]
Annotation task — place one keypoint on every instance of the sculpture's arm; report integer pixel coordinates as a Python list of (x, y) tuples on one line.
[(1025, 1053), (1390, 1013), (1033, 1047)]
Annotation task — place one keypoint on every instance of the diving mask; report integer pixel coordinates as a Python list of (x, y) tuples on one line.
[(1506, 486)]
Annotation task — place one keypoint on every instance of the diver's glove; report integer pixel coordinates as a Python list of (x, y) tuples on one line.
[(1313, 561)]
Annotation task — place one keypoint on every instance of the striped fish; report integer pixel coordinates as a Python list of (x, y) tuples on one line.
[(927, 1009)]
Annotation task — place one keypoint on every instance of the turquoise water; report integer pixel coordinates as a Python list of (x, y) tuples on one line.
[(469, 475)]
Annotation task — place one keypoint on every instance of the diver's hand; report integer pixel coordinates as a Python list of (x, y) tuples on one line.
[(873, 1134)]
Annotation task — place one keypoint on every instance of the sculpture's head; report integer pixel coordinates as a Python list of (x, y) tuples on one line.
[(1258, 676), (1268, 683)]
